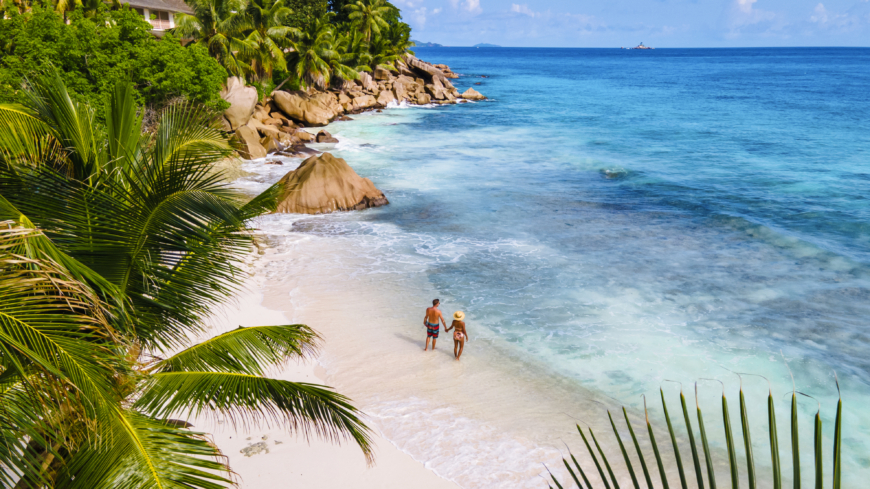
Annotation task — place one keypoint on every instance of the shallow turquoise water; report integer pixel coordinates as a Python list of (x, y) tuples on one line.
[(625, 217)]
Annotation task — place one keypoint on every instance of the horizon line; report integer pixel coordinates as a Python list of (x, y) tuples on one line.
[(653, 48)]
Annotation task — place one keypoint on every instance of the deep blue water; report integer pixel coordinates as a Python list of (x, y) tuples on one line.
[(623, 217)]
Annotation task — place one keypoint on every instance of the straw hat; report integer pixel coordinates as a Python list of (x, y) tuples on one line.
[(459, 315)]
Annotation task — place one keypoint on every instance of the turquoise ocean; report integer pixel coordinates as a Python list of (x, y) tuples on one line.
[(616, 219)]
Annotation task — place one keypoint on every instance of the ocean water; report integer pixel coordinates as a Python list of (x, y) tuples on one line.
[(610, 220)]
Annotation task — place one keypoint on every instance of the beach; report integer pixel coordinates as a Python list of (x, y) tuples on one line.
[(286, 459), (601, 248)]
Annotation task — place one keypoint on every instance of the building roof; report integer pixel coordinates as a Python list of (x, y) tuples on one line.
[(167, 5)]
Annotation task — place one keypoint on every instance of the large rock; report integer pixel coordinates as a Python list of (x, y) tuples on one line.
[(263, 129), (427, 70), (325, 184), (325, 137), (242, 101), (271, 145), (435, 92), (423, 99), (261, 113), (247, 141), (315, 110), (304, 136), (364, 102), (386, 97), (472, 94), (382, 74), (366, 81)]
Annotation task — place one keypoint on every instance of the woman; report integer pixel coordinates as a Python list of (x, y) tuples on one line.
[(460, 333)]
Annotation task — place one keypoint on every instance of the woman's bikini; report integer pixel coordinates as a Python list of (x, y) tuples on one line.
[(458, 335)]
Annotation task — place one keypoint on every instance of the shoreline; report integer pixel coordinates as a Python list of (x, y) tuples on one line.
[(275, 125), (275, 456), (486, 421)]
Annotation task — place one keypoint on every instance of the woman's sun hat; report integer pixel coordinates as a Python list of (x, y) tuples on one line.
[(459, 315)]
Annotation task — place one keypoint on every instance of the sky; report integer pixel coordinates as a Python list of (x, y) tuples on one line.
[(656, 23)]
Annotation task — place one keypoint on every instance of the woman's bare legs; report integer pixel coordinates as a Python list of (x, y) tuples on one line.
[(458, 344)]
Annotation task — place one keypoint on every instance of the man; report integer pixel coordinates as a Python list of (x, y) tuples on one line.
[(430, 320)]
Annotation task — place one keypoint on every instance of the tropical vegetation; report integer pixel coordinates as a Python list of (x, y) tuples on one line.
[(704, 471), (275, 41), (114, 246), (118, 236), (91, 53)]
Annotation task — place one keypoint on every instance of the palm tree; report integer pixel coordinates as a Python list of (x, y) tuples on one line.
[(399, 38), (382, 54), (354, 49), (266, 21), (56, 368), (221, 26), (313, 58), (368, 16), (142, 239)]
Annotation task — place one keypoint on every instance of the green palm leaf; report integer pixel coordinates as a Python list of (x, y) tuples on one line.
[(145, 453), (245, 350), (249, 399)]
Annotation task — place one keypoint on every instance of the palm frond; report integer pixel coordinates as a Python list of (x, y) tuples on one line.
[(245, 350), (730, 450), (249, 399), (146, 452)]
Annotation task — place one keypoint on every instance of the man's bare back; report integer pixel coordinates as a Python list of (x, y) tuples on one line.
[(431, 321)]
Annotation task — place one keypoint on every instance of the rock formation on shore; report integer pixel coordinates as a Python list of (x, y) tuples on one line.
[(272, 126), (472, 94), (324, 184)]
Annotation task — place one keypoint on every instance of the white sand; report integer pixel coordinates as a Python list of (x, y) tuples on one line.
[(291, 461)]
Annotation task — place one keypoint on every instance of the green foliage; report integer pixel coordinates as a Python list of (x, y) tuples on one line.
[(370, 16), (730, 454), (114, 247), (303, 11), (170, 70), (92, 54)]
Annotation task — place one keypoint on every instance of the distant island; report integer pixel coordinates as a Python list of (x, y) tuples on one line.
[(427, 44), (485, 45)]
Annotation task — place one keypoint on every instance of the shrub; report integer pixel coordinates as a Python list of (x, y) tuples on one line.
[(93, 53)]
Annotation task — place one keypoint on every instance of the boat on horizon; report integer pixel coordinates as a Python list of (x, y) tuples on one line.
[(641, 46)]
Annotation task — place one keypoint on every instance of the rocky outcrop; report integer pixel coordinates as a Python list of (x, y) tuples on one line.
[(325, 137), (242, 99), (313, 110), (366, 82), (385, 97), (445, 70), (247, 142), (274, 124), (472, 94), (324, 184), (382, 74), (304, 136)]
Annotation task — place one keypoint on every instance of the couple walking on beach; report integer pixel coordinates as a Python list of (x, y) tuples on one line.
[(431, 321)]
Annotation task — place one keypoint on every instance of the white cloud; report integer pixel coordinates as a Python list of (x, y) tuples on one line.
[(523, 9), (820, 14), (472, 6), (420, 18), (743, 16), (854, 18), (745, 6), (436, 11)]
